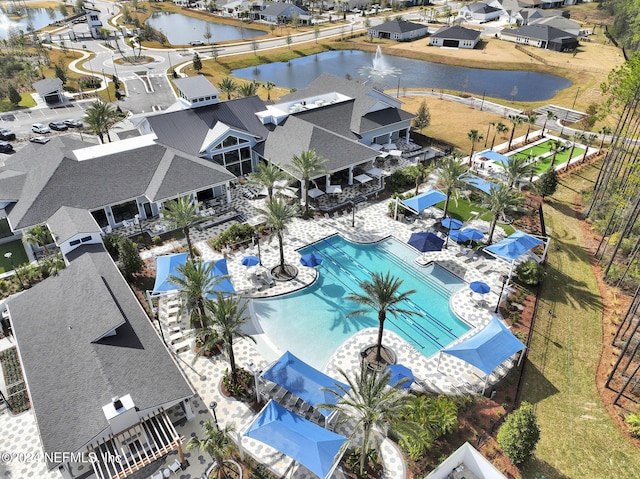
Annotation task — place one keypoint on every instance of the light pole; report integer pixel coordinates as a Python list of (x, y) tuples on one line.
[(484, 92), (213, 406), (504, 282), (106, 84), (115, 70), (257, 238), (488, 128), (353, 214), (9, 256), (256, 372)]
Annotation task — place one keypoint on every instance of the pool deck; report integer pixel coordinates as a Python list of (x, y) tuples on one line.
[(371, 224)]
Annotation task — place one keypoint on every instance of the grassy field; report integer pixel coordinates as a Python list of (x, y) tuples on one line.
[(19, 255), (578, 438)]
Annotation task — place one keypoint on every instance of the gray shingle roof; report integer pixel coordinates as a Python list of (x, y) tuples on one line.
[(55, 178), (296, 135), (480, 7), (68, 222), (185, 130), (539, 32), (457, 32), (69, 372), (48, 85), (398, 26), (196, 86), (277, 8)]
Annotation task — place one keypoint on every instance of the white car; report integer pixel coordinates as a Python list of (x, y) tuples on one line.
[(40, 128)]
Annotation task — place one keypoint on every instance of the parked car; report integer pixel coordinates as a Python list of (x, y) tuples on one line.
[(196, 43), (40, 129), (58, 126), (5, 147), (39, 139), (7, 135), (73, 123)]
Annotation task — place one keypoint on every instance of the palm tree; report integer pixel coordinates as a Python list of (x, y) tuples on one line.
[(588, 139), (574, 138), (550, 116), (195, 282), (99, 117), (228, 86), (182, 213), (515, 121), (269, 86), (555, 146), (308, 164), (501, 129), (381, 294), (217, 443), (531, 120), (278, 214), (374, 406), (248, 88), (449, 174), (516, 168), (266, 175), (604, 131), (474, 137), (497, 201), (39, 235), (228, 316)]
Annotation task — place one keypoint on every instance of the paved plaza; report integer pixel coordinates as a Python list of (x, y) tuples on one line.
[(372, 223)]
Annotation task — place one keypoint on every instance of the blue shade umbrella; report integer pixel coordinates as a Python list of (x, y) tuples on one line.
[(311, 259), (479, 287), (250, 260), (472, 234), (398, 373), (425, 241), (459, 236), (451, 223)]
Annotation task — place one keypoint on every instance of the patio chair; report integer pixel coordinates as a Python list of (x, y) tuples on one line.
[(175, 466), (266, 278)]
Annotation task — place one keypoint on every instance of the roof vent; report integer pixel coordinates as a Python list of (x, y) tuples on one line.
[(117, 403)]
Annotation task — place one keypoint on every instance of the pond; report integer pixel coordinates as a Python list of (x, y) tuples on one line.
[(181, 29), (511, 84), (36, 17)]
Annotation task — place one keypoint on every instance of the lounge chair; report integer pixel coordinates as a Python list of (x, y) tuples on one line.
[(175, 466), (266, 278)]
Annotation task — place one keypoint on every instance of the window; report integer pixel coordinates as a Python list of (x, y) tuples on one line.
[(74, 242), (101, 218), (124, 211), (219, 158), (229, 141)]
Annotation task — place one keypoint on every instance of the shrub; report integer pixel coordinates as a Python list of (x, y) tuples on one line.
[(530, 272), (633, 421), (547, 183), (237, 233), (401, 209), (130, 261), (519, 434), (88, 81)]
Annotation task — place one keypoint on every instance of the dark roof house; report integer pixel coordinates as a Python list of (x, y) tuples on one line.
[(400, 30), (541, 36), (455, 37)]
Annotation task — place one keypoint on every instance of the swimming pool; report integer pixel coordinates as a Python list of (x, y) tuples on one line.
[(312, 323)]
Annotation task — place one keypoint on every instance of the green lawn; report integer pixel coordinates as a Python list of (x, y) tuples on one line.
[(578, 439), (19, 255), (463, 209), (545, 147)]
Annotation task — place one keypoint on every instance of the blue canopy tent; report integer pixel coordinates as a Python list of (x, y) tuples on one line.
[(421, 202), (303, 380), (514, 246), (487, 349), (220, 269), (493, 156), (477, 182), (166, 266), (314, 447)]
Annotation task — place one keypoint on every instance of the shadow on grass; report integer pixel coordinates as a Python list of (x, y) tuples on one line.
[(536, 386), (537, 469), (571, 291)]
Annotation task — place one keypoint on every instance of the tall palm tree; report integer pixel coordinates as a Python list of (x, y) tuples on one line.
[(515, 122), (501, 129), (228, 315), (182, 214), (308, 164), (474, 137), (266, 175), (604, 131), (195, 282), (39, 235), (555, 146), (100, 116), (550, 116), (516, 168), (531, 120), (577, 136), (381, 294), (374, 406), (248, 88), (449, 173), (588, 139), (217, 443), (269, 86), (278, 214), (497, 201), (228, 86)]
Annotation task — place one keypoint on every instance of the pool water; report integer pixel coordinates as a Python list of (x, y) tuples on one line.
[(312, 323)]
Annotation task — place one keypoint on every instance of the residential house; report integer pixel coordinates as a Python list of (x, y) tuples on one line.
[(99, 378), (455, 37), (279, 12), (561, 23), (541, 36), (479, 12), (400, 30), (50, 90)]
